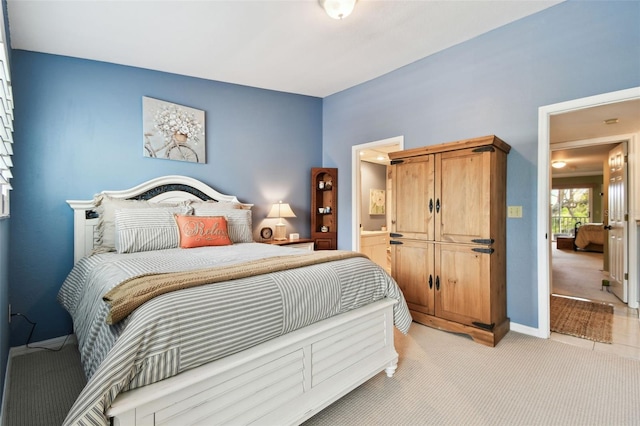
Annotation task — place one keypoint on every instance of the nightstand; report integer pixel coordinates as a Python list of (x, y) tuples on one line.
[(302, 243)]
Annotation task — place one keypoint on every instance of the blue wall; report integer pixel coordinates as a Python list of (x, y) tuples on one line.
[(493, 84), (78, 130), (4, 298)]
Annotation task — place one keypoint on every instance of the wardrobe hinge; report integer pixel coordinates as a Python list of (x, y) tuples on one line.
[(483, 250), (487, 241)]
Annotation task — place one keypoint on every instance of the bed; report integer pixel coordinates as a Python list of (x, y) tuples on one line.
[(589, 237), (274, 347)]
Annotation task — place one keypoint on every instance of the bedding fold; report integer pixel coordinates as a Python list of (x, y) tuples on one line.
[(133, 292)]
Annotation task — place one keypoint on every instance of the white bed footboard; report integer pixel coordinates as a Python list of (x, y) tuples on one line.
[(283, 381)]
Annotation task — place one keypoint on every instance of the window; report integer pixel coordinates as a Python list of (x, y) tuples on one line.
[(6, 123), (570, 205)]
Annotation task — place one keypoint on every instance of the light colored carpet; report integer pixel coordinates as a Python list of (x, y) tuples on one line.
[(442, 379), (580, 274), (580, 318), (447, 379)]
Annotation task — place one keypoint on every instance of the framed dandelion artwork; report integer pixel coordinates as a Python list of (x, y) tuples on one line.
[(376, 201), (172, 131)]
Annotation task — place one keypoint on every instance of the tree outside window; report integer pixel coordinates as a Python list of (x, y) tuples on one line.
[(569, 206)]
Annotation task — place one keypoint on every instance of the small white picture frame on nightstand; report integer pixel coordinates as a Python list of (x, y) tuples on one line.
[(294, 237)]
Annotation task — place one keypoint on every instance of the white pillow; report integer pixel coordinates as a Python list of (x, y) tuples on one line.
[(106, 207), (238, 221), (146, 229)]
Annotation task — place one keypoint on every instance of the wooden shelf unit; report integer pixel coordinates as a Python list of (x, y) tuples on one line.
[(324, 208)]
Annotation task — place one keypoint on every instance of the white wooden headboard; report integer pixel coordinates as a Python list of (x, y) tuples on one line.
[(165, 189)]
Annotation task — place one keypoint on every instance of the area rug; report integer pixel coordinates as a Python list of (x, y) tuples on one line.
[(588, 320)]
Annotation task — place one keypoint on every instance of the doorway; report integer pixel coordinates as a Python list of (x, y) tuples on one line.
[(579, 218), (566, 110), (375, 148)]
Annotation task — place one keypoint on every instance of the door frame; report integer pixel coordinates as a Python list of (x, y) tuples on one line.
[(356, 183), (543, 242)]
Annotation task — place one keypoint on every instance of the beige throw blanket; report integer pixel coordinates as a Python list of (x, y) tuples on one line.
[(133, 292)]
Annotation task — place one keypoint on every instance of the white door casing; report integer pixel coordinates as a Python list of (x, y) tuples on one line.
[(356, 183), (543, 242)]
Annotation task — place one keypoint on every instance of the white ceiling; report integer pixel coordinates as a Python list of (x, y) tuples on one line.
[(588, 124), (285, 45), (288, 45)]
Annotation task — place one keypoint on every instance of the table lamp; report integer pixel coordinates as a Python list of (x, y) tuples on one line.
[(281, 210)]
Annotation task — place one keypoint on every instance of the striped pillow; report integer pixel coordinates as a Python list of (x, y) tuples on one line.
[(238, 221), (106, 207), (146, 229)]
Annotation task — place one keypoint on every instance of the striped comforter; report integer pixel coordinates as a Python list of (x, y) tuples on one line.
[(185, 329)]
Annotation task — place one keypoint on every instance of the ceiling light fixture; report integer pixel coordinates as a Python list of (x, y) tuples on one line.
[(558, 164), (611, 121), (338, 9)]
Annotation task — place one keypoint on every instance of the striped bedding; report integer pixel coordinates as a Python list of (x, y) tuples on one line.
[(185, 329)]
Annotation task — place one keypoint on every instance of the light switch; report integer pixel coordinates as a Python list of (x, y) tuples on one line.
[(514, 211)]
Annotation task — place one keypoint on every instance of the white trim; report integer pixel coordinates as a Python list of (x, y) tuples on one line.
[(55, 343), (356, 183), (544, 184), (524, 329)]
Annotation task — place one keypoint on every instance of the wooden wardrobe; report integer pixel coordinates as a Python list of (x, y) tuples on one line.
[(448, 235)]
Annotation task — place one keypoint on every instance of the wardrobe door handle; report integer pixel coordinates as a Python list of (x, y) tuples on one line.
[(430, 281), (437, 283), (430, 205), (438, 205)]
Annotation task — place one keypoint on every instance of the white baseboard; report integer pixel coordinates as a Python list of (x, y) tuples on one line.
[(525, 329), (55, 343)]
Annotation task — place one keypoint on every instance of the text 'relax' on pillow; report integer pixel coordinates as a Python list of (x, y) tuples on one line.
[(201, 231)]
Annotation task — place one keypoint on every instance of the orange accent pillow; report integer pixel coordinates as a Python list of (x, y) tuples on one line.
[(201, 231)]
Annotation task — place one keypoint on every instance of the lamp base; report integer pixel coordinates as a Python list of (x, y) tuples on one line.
[(281, 232)]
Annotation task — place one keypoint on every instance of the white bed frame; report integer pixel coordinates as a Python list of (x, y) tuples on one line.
[(283, 381)]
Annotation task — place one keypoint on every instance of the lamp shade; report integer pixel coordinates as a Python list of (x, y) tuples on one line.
[(281, 210)]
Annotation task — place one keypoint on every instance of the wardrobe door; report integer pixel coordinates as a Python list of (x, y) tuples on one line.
[(413, 197), (463, 196), (413, 270), (463, 286)]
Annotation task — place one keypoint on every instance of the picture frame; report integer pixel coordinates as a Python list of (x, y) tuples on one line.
[(377, 202), (172, 131)]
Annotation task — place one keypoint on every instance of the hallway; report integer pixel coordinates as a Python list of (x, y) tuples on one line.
[(579, 274)]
